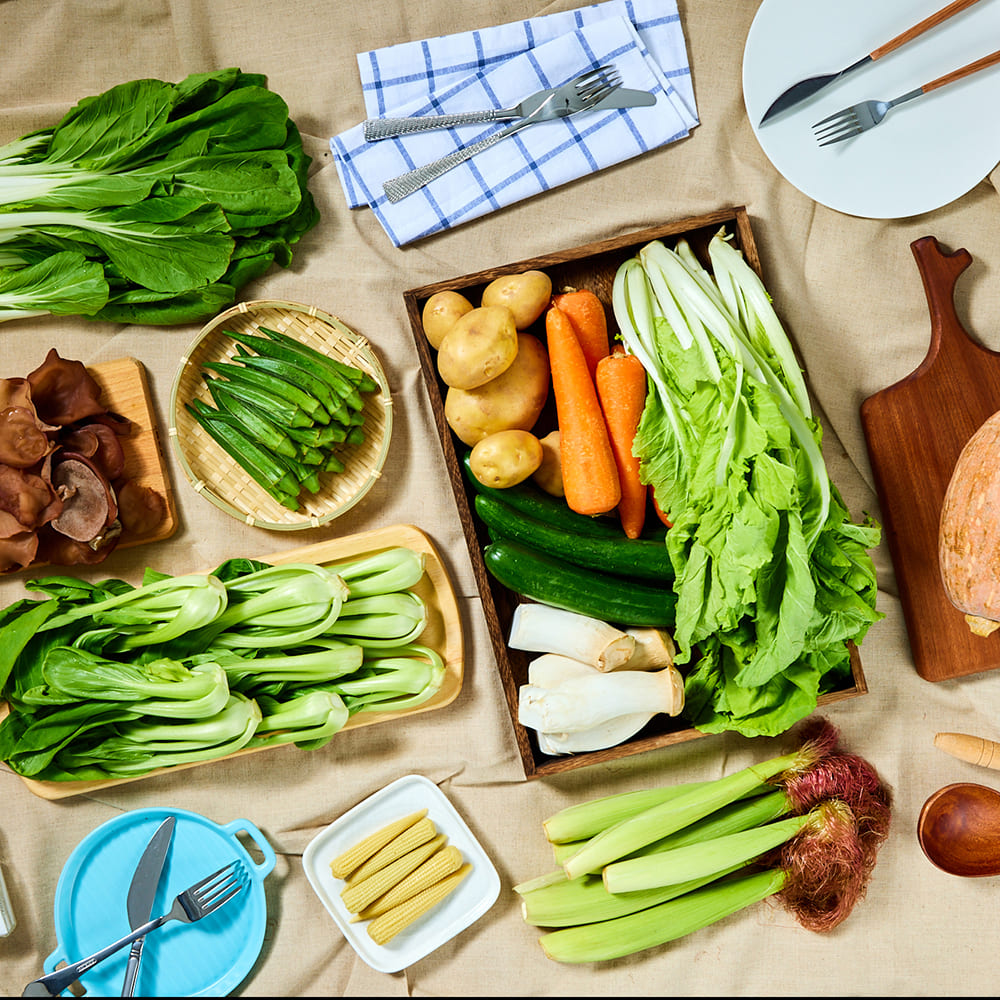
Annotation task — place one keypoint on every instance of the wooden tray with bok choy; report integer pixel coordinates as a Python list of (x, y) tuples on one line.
[(442, 633)]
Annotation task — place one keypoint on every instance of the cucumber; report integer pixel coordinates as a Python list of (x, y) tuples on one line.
[(565, 585), (536, 503), (624, 556)]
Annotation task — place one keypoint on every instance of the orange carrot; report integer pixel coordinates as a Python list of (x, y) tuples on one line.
[(590, 321), (590, 475), (659, 512), (621, 388)]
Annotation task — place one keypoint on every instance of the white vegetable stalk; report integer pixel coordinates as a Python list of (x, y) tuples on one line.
[(586, 702), (654, 649), (608, 734), (539, 628)]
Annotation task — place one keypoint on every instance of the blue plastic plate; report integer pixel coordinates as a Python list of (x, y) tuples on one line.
[(207, 958)]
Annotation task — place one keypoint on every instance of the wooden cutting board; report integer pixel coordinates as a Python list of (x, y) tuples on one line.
[(915, 430)]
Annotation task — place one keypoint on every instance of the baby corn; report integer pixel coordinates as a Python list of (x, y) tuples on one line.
[(358, 895), (385, 927), (435, 868), (355, 856), (412, 837)]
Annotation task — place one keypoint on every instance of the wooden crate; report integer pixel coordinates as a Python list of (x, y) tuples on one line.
[(590, 266)]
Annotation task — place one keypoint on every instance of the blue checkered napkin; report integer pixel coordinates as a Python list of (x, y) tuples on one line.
[(393, 76), (537, 158)]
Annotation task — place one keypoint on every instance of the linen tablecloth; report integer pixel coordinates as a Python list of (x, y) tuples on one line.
[(850, 295)]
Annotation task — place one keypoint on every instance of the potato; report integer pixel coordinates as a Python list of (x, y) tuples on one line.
[(441, 311), (511, 401), (479, 346), (548, 475), (526, 295), (506, 458)]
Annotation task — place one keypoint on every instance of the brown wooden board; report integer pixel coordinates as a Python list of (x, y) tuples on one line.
[(590, 266), (915, 431)]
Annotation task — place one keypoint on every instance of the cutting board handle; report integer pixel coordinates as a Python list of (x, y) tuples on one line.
[(940, 272)]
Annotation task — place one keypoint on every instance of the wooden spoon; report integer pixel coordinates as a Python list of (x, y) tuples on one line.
[(959, 830)]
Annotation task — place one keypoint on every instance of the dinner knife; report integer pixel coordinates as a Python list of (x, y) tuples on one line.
[(142, 894), (390, 128), (805, 89)]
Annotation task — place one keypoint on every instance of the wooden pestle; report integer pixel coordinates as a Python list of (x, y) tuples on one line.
[(973, 749)]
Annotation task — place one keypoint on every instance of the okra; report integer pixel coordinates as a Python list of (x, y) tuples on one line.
[(282, 411), (241, 375), (294, 373), (253, 420), (343, 379), (259, 464), (364, 382)]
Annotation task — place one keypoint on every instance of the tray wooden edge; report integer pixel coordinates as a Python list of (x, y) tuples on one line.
[(535, 764), (436, 584)]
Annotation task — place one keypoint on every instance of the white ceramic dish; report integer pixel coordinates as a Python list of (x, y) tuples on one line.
[(927, 152), (466, 904)]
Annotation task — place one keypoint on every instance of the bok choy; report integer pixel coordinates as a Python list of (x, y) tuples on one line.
[(152, 202), (772, 577), (106, 679)]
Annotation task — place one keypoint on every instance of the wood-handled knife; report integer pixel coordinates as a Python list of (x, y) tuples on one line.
[(805, 89)]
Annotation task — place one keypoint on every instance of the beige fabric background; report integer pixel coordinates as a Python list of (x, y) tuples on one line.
[(851, 296)]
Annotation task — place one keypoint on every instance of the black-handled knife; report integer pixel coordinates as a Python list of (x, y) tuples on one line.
[(142, 895), (805, 89)]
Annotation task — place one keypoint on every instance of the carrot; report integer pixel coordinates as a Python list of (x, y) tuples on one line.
[(659, 512), (621, 388), (590, 321), (590, 475)]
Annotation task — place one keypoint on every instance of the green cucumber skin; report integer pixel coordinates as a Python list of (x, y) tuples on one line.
[(535, 503), (573, 588), (620, 555)]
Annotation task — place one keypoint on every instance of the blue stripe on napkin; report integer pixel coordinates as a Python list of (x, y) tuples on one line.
[(537, 158)]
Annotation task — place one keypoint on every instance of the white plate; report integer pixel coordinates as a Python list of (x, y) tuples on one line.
[(475, 894), (927, 152)]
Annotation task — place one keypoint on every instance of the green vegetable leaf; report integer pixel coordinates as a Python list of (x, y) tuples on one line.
[(61, 284)]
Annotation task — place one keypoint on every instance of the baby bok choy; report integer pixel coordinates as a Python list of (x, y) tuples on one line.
[(107, 679)]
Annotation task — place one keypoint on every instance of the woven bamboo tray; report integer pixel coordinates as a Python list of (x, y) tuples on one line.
[(218, 478)]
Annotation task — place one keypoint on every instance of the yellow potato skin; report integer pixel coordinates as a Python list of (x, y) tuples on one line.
[(506, 458), (526, 295), (440, 313), (548, 475), (479, 346), (512, 401)]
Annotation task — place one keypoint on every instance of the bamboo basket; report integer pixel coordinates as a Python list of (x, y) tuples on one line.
[(218, 478)]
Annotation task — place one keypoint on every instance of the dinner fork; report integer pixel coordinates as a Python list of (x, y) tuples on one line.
[(398, 188), (858, 118), (571, 95), (192, 904)]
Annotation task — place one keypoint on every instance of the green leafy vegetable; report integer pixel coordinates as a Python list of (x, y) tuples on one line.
[(106, 679), (772, 577), (152, 202)]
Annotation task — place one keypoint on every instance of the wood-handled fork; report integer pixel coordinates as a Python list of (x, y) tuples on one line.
[(858, 118)]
